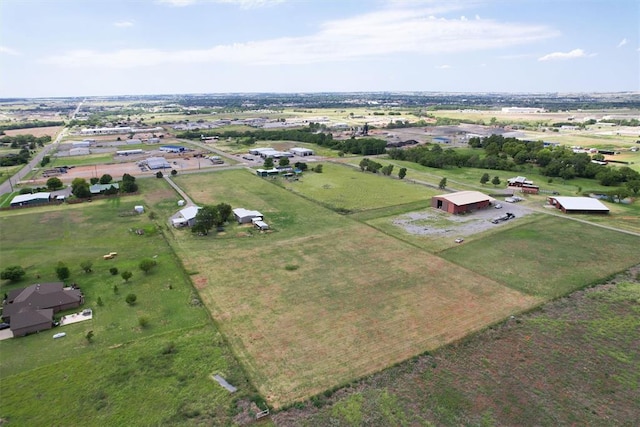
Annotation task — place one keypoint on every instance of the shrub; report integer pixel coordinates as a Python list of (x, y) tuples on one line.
[(131, 299), (13, 273), (113, 271), (143, 321)]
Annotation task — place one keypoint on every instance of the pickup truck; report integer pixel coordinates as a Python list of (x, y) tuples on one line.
[(501, 218)]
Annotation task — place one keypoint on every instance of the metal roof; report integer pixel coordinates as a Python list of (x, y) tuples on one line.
[(190, 212), (28, 197), (466, 197), (581, 204)]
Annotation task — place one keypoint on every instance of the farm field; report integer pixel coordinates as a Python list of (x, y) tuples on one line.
[(347, 189), (169, 359), (51, 131), (549, 258), (300, 327), (573, 362)]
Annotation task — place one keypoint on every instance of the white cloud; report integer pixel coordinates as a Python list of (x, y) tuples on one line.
[(575, 53), (244, 4), (622, 42), (8, 51), (123, 24), (443, 67), (375, 34)]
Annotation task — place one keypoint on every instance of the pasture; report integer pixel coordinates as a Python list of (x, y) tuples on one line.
[(574, 362), (347, 189), (159, 370), (325, 299), (550, 257)]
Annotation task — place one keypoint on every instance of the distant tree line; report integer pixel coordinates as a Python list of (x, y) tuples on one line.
[(364, 146), (500, 153)]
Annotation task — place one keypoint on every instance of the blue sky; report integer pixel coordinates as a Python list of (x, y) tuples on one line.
[(131, 47)]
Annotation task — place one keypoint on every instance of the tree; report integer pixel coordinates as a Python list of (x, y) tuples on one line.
[(147, 264), (634, 186), (12, 273), (115, 289), (268, 163), (225, 211), (495, 181), (89, 337), (54, 183), (129, 186), (364, 163), (318, 169), (99, 302), (86, 266), (131, 299), (113, 271), (386, 170), (106, 179), (484, 178), (159, 174), (128, 178), (62, 271), (174, 172), (284, 161), (206, 219), (94, 180), (443, 184), (126, 275), (402, 173), (80, 188)]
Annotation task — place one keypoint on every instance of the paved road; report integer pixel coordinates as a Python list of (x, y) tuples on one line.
[(8, 185)]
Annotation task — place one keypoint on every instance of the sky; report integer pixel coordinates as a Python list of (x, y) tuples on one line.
[(57, 48)]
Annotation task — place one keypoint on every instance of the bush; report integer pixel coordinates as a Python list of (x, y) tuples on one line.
[(13, 273), (113, 271), (159, 174), (143, 321), (131, 299)]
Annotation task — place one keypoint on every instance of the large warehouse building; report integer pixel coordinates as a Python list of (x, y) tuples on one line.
[(461, 201), (578, 205)]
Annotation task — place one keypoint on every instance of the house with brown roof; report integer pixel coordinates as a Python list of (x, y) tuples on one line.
[(31, 309)]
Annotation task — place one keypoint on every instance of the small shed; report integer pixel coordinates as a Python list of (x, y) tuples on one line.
[(186, 217), (261, 225)]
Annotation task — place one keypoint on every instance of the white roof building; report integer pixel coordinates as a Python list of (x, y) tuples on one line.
[(578, 205), (244, 216), (25, 199)]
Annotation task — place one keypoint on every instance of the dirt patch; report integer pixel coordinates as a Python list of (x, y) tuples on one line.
[(200, 282), (37, 132)]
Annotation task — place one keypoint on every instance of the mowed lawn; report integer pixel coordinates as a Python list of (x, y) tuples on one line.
[(348, 189), (324, 299), (549, 257)]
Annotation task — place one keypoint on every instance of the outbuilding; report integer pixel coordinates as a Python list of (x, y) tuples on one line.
[(186, 217), (245, 216), (31, 199), (157, 163), (302, 152), (172, 148), (461, 201), (578, 205)]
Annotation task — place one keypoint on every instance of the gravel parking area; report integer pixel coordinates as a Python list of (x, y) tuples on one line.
[(434, 222)]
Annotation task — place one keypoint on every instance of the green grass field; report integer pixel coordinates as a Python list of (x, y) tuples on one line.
[(125, 369), (549, 257), (323, 289), (347, 189)]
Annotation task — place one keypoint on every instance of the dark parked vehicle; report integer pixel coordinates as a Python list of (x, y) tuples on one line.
[(4, 326)]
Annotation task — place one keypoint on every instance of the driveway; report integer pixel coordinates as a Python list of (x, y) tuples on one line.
[(5, 334)]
